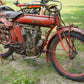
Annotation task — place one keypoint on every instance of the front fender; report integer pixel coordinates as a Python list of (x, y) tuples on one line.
[(79, 30)]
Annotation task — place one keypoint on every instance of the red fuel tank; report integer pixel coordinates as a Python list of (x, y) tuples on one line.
[(39, 20)]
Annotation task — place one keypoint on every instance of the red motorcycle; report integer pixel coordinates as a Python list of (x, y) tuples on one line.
[(24, 35), (35, 7)]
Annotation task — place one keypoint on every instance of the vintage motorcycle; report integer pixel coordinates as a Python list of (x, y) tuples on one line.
[(35, 7), (23, 34)]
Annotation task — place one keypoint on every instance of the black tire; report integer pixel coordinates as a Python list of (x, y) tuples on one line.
[(7, 54), (54, 59), (5, 49)]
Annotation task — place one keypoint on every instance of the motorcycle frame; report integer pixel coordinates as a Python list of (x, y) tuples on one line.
[(16, 33)]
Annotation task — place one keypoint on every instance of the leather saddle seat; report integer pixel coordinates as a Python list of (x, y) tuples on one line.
[(12, 14)]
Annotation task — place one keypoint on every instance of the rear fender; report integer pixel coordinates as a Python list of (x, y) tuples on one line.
[(79, 30)]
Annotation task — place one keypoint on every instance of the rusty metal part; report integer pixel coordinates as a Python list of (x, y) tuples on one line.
[(34, 49), (33, 57)]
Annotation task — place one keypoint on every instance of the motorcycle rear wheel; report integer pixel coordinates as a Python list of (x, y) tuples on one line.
[(5, 49), (5, 52), (70, 68)]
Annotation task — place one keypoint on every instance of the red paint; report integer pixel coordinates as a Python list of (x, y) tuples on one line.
[(41, 20), (37, 20), (21, 5), (18, 33), (58, 31), (31, 6), (79, 30), (35, 6), (55, 60)]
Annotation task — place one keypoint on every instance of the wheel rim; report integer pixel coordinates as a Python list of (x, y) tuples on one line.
[(4, 48), (65, 64)]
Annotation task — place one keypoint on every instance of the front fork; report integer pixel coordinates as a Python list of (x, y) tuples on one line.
[(71, 51)]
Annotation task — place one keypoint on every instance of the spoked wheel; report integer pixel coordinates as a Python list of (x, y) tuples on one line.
[(72, 67), (5, 49)]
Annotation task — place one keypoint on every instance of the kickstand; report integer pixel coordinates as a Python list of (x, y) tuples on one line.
[(12, 58), (1, 59)]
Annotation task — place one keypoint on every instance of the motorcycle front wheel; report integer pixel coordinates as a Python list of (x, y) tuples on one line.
[(71, 68)]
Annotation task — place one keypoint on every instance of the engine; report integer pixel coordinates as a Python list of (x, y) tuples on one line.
[(33, 40)]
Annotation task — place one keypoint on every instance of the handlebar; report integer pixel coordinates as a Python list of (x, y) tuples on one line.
[(53, 1), (43, 2), (16, 3)]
